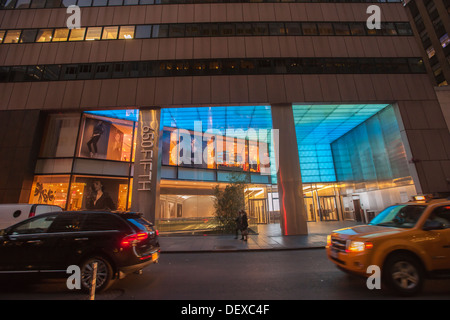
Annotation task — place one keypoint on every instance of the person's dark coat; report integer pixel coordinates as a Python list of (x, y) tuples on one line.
[(103, 203), (244, 222)]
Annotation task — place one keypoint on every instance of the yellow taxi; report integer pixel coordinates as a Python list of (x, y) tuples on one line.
[(408, 242)]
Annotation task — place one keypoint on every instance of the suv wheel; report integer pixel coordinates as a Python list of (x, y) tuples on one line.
[(403, 274), (104, 274)]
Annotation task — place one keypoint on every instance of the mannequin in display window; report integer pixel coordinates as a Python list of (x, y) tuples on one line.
[(96, 134), (99, 199)]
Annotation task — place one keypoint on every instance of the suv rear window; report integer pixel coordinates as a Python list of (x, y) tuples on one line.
[(67, 222), (140, 224), (103, 222)]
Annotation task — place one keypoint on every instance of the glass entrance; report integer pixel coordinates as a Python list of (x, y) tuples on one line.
[(328, 208), (258, 210), (309, 207)]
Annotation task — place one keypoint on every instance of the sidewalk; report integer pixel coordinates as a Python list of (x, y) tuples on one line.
[(269, 237)]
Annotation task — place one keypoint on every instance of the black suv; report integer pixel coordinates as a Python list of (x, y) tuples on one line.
[(120, 243)]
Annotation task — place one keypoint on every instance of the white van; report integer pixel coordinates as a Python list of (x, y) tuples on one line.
[(11, 214)]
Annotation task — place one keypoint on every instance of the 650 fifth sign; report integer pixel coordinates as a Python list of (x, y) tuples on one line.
[(146, 197), (147, 136)]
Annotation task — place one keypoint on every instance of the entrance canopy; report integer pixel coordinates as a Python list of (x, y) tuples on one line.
[(317, 126)]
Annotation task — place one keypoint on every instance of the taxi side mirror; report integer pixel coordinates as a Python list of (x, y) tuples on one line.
[(432, 225)]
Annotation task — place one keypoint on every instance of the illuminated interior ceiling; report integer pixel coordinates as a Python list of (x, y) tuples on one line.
[(317, 126), (222, 118), (322, 124), (128, 114)]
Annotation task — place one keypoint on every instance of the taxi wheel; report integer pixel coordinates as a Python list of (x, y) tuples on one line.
[(403, 274)]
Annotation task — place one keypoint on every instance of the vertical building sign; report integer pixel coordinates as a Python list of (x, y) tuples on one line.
[(145, 196)]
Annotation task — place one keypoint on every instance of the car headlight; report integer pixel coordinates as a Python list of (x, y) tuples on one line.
[(358, 246)]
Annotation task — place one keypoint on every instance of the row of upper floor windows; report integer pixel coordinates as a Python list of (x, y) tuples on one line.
[(202, 30), (34, 4), (210, 67)]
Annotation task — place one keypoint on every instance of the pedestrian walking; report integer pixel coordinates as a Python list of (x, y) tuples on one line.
[(238, 223), (244, 226)]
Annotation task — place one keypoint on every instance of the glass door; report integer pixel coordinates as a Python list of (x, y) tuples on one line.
[(258, 210), (328, 208), (309, 208)]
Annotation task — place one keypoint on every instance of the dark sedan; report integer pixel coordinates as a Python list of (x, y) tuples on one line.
[(120, 243)]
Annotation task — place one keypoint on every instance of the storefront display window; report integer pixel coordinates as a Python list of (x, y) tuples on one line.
[(212, 151), (50, 190), (106, 138), (98, 193)]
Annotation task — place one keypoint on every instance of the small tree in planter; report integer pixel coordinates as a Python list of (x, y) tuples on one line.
[(227, 204)]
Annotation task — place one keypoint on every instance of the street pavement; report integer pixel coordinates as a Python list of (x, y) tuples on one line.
[(268, 237)]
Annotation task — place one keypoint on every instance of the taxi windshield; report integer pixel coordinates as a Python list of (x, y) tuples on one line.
[(399, 216)]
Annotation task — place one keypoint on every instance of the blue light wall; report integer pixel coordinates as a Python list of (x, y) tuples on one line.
[(317, 126), (372, 152)]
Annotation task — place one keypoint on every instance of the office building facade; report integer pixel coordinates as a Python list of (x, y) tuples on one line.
[(322, 118)]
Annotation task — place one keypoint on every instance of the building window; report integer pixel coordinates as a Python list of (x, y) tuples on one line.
[(12, 36), (144, 31), (106, 138), (341, 29), (326, 29), (110, 33), (61, 35), (357, 29), (100, 3), (445, 40), (430, 52), (126, 32), (77, 34), (22, 4), (60, 135), (309, 29), (28, 36), (84, 3), (50, 190), (94, 33), (37, 4), (44, 35), (98, 193)]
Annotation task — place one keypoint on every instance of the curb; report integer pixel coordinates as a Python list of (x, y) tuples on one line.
[(241, 250)]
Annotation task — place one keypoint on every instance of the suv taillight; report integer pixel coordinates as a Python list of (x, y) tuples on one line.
[(133, 239)]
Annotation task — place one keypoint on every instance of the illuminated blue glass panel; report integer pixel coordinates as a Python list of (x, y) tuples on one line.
[(316, 163), (373, 151), (129, 114), (317, 126), (222, 118)]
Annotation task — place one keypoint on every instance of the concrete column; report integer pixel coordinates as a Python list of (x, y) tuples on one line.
[(147, 165), (292, 208)]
